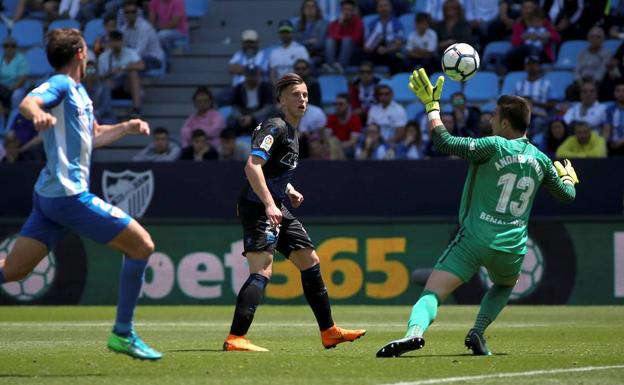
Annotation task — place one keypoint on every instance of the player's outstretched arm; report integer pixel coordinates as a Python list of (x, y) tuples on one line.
[(106, 134), (560, 180)]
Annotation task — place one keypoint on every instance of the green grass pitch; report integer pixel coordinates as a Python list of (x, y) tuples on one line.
[(532, 345)]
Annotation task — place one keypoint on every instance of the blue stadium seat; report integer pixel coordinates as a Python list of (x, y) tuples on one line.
[(488, 107), (196, 8), (494, 54), (93, 29), (367, 20), (9, 7), (407, 20), (332, 85), (63, 23), (28, 33), (121, 103), (419, 6), (559, 80), (568, 54), (612, 45), (38, 62), (225, 111), (398, 83), (482, 87), (414, 110), (450, 86), (510, 80), (4, 32)]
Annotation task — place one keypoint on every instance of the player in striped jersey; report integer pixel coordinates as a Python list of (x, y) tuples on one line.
[(505, 173), (62, 111)]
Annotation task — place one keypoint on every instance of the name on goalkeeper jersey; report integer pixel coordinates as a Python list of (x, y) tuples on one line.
[(488, 218), (520, 158)]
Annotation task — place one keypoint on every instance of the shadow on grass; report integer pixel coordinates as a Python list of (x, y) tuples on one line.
[(446, 355), (193, 350), (4, 375)]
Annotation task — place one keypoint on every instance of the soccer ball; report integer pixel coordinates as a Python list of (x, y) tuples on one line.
[(460, 62), (530, 276), (37, 283)]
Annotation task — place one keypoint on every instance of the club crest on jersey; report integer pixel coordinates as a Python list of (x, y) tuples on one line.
[(267, 142), (129, 190)]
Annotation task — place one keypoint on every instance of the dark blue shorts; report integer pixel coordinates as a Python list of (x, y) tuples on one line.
[(85, 214)]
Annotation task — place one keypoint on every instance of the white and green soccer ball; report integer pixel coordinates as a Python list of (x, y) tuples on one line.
[(460, 62), (531, 275), (37, 283)]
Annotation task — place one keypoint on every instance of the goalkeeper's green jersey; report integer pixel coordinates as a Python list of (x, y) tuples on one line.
[(502, 181)]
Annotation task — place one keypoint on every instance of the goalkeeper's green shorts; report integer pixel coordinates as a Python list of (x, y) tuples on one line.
[(465, 255)]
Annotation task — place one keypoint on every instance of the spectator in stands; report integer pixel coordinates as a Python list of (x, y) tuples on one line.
[(585, 143), (230, 149), (613, 129), (508, 12), (388, 115), (435, 9), (422, 45), (100, 95), (162, 149), (252, 102), (453, 28), (345, 125), (200, 149), (344, 38), (538, 90), (373, 146), (566, 16), (12, 150), (311, 30), (466, 118), (249, 54), (49, 7), (485, 125), (81, 10), (482, 15), (120, 67), (330, 9), (412, 146), (101, 42), (449, 123), (13, 75), (589, 109), (283, 57), (313, 121), (302, 68), (206, 118), (616, 21), (169, 18), (362, 90), (592, 63), (384, 41), (24, 131), (614, 75), (141, 36), (533, 34), (549, 141)]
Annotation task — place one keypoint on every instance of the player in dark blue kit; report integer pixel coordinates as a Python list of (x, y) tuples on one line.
[(269, 226), (62, 111)]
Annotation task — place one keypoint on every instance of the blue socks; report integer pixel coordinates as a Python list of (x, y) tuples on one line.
[(2, 280), (130, 282)]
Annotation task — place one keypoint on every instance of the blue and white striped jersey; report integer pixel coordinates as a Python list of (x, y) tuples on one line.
[(69, 143)]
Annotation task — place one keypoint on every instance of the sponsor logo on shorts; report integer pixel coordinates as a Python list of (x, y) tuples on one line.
[(131, 191)]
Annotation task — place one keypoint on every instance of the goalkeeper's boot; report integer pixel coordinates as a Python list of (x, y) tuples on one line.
[(476, 342), (133, 346), (240, 344), (336, 335), (397, 347)]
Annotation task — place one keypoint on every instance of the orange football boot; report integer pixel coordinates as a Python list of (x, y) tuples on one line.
[(240, 344), (336, 335)]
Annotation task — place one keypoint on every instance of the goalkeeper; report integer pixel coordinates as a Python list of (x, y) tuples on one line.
[(504, 175)]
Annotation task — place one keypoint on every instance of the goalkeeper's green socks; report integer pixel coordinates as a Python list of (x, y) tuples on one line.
[(423, 314), (491, 305)]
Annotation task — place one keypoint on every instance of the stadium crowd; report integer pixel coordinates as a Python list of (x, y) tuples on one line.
[(566, 57)]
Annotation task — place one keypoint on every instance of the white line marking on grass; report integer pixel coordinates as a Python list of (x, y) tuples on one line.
[(449, 380)]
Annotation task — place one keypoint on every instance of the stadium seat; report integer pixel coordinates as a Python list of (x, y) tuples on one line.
[(510, 80), (28, 33), (4, 32), (196, 8), (38, 62), (450, 86), (419, 6), (93, 29), (367, 20), (488, 107), (414, 110), (559, 80), (225, 111), (398, 83), (121, 103), (407, 20), (568, 54), (332, 85), (494, 54), (63, 23), (482, 87), (9, 7), (612, 45)]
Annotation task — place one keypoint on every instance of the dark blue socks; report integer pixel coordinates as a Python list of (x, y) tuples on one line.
[(247, 302), (130, 282)]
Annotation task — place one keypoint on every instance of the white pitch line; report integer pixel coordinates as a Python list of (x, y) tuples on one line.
[(449, 380)]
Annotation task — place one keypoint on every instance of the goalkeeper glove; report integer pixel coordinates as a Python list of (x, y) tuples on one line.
[(566, 172), (429, 95)]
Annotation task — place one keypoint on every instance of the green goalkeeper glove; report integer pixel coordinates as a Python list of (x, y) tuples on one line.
[(429, 95), (566, 172)]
